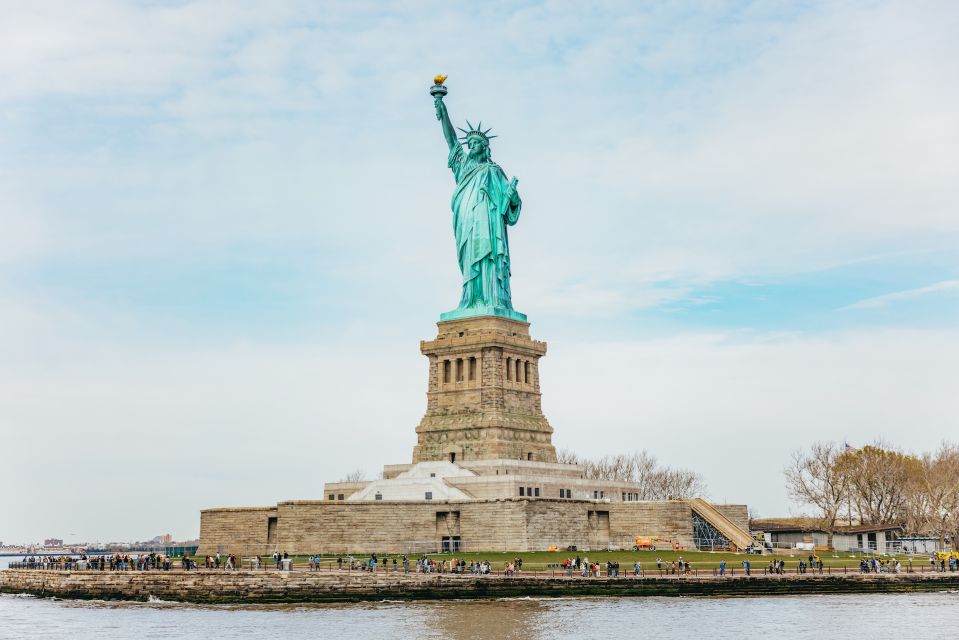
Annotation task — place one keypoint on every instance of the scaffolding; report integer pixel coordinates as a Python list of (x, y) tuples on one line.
[(706, 537)]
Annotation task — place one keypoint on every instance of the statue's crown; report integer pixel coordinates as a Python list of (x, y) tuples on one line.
[(475, 131)]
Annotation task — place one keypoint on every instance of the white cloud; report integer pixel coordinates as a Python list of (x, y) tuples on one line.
[(910, 294), (832, 141)]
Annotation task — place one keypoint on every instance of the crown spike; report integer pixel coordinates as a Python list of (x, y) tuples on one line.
[(475, 131)]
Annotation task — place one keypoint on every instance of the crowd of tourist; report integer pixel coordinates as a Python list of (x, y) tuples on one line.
[(879, 565), (680, 567), (51, 562), (583, 567), (116, 562), (580, 566), (216, 561), (422, 564)]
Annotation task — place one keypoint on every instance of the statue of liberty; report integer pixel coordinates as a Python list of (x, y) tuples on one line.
[(484, 203)]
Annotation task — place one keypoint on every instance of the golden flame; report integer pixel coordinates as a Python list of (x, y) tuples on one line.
[(440, 79)]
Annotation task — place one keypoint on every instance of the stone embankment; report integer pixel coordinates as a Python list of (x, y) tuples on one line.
[(303, 586)]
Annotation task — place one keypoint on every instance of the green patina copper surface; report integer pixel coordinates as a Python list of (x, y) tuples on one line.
[(484, 204)]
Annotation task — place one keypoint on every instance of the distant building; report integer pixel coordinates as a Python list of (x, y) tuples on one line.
[(53, 542), (919, 544), (806, 533)]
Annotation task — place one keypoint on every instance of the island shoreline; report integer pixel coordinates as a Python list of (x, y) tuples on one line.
[(275, 587)]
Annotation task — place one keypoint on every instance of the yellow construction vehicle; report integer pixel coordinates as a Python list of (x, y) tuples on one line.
[(643, 543)]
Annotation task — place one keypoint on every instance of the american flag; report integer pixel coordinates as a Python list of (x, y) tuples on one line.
[(849, 448)]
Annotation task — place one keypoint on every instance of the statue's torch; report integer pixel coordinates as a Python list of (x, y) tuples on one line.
[(438, 90)]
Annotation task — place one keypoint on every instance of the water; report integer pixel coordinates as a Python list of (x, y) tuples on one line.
[(878, 617)]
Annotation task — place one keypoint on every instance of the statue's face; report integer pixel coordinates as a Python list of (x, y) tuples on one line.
[(479, 150)]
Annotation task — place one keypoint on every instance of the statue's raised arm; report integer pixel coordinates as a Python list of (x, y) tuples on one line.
[(438, 91)]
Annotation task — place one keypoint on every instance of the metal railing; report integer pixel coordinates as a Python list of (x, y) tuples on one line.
[(554, 570), (95, 564)]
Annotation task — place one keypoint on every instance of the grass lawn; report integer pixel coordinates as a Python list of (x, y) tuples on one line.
[(698, 559), (541, 560)]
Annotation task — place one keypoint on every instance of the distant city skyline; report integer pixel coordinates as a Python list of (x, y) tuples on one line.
[(192, 297)]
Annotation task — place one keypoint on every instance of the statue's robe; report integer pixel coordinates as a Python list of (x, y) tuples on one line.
[(481, 211)]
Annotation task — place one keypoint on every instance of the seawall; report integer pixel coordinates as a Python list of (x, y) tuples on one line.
[(303, 586)]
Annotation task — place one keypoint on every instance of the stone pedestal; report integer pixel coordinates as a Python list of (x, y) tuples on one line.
[(483, 399)]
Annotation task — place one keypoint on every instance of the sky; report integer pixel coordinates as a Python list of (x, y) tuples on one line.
[(225, 226)]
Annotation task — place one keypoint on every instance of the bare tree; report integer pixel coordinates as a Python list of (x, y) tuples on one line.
[(356, 475), (932, 503), (952, 525), (883, 485), (680, 483), (816, 478), (646, 474), (878, 479), (920, 497), (641, 468)]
